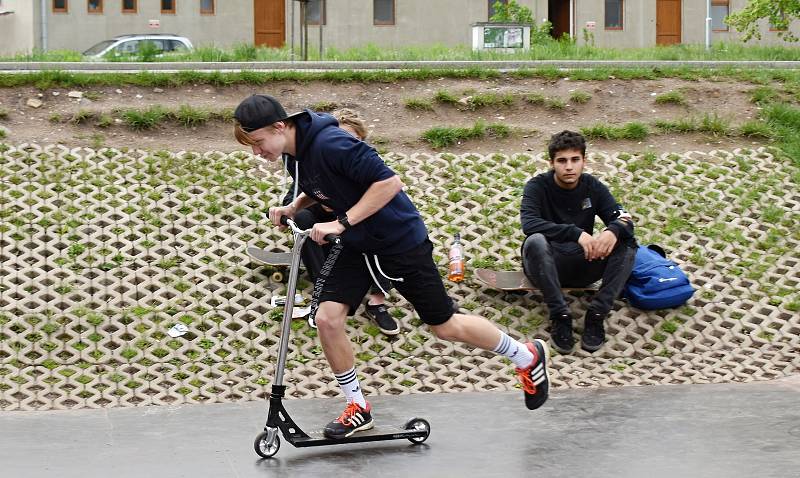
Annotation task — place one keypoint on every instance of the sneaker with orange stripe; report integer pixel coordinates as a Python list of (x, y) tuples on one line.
[(535, 379), (353, 419)]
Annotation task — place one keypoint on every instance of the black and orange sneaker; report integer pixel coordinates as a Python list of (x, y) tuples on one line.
[(353, 419), (535, 379)]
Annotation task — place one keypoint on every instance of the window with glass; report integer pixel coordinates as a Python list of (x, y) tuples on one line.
[(129, 6), (60, 6), (95, 6), (614, 14), (315, 12), (719, 10), (383, 12), (167, 6), (492, 9), (207, 7)]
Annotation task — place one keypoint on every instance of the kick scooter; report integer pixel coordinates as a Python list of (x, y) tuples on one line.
[(267, 443)]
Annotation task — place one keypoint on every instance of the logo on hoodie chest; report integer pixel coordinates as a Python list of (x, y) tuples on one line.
[(317, 193)]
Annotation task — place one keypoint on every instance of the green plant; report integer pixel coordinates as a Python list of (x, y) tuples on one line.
[(3, 114), (580, 97), (325, 106), (146, 119), (763, 95), (147, 51), (81, 117), (418, 104), (715, 125), (441, 137), (189, 116), (444, 96), (671, 97), (755, 128), (511, 11), (2, 133), (104, 121), (477, 101)]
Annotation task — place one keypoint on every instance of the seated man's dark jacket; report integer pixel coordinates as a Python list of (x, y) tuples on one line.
[(561, 215), (336, 169)]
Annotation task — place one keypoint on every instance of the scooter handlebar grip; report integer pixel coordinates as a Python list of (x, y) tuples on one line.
[(285, 220), (332, 238)]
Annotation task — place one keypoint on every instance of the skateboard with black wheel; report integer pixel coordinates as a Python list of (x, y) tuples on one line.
[(272, 259), (515, 281)]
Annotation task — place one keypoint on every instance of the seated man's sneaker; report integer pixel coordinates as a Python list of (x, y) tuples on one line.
[(381, 316), (561, 333), (353, 419), (594, 333), (535, 379)]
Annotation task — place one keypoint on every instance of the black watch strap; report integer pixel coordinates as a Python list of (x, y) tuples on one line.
[(344, 221)]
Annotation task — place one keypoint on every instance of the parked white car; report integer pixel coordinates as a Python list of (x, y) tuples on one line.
[(129, 45)]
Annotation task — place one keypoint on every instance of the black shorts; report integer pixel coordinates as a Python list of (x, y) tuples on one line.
[(422, 285)]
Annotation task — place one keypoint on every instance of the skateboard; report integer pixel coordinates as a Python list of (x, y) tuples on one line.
[(273, 259), (515, 280)]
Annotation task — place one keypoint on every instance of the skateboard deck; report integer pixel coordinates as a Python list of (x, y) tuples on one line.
[(270, 258), (515, 280)]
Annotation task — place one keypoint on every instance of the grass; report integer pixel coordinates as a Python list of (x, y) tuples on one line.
[(3, 133), (784, 121), (756, 129), (81, 117), (580, 97), (634, 131), (671, 97), (189, 117), (548, 50), (445, 97), (59, 79), (763, 95), (715, 125), (482, 100), (144, 119), (325, 106), (683, 125), (418, 104), (552, 103), (444, 136), (3, 114)]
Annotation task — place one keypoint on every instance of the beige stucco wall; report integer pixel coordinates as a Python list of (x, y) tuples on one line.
[(232, 23), (349, 23), (640, 24), (17, 29)]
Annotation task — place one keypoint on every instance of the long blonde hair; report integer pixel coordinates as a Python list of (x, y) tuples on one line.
[(347, 117)]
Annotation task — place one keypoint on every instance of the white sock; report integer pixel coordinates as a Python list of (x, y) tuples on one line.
[(516, 351), (348, 382)]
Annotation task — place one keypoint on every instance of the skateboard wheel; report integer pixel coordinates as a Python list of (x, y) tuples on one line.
[(277, 276)]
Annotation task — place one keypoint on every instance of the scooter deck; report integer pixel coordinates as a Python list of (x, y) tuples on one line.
[(382, 433)]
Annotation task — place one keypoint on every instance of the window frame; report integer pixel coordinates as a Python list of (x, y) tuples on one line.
[(721, 3), (322, 14), (490, 5), (375, 22), (213, 10), (621, 17), (60, 10), (135, 8), (169, 12), (97, 11)]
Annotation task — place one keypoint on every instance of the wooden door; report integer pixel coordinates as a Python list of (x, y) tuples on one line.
[(668, 22), (558, 14), (270, 22)]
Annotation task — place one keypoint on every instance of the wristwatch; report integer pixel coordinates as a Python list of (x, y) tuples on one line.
[(344, 221)]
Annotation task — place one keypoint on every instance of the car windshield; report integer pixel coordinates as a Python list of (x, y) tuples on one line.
[(98, 48)]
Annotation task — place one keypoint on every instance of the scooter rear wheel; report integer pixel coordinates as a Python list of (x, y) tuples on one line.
[(419, 424), (264, 448)]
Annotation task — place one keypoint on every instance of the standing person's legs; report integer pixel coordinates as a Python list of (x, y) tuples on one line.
[(342, 292), (422, 286)]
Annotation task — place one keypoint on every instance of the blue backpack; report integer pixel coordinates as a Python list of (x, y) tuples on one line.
[(656, 282)]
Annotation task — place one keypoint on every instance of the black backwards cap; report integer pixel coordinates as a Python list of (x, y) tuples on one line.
[(259, 111)]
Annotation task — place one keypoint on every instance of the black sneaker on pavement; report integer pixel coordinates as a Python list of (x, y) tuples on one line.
[(561, 333), (594, 333), (381, 316), (536, 379), (353, 419)]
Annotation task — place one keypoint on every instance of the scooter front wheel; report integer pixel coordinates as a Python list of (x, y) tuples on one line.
[(265, 446), (419, 424)]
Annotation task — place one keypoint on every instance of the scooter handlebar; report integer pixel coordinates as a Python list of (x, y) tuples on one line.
[(333, 238)]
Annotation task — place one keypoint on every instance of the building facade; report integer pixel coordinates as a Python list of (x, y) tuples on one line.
[(78, 24)]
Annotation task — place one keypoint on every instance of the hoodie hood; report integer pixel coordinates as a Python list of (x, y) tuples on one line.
[(308, 125)]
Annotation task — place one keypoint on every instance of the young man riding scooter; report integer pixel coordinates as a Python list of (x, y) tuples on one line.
[(381, 233)]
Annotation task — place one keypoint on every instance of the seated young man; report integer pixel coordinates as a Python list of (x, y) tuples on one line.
[(561, 249)]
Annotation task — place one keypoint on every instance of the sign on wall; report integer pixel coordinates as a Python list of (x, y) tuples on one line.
[(502, 37)]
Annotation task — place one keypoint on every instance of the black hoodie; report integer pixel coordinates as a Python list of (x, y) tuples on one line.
[(336, 169)]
